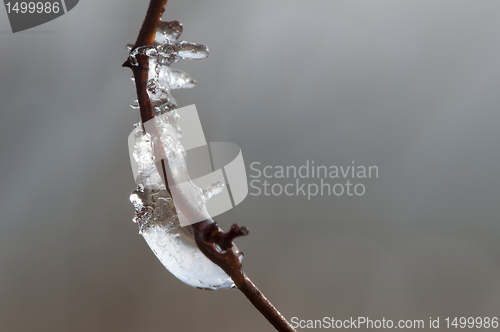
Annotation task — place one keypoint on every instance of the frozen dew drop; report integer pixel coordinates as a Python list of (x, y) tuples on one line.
[(143, 152), (240, 256), (171, 154), (167, 54), (160, 95), (134, 198), (168, 31), (192, 51), (179, 79), (141, 50), (135, 104), (175, 116), (167, 141)]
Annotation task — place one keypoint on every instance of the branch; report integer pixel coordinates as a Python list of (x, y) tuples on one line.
[(210, 239), (146, 37), (219, 248)]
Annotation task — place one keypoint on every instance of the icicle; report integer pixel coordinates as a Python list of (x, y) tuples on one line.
[(192, 51), (214, 189)]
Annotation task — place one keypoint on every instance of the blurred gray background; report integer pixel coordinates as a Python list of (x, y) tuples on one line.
[(409, 86)]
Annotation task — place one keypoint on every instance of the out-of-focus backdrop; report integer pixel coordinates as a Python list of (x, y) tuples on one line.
[(409, 86)]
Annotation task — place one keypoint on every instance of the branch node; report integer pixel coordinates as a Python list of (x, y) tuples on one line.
[(213, 234)]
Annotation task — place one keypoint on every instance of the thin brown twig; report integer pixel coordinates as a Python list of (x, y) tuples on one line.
[(146, 37), (211, 240)]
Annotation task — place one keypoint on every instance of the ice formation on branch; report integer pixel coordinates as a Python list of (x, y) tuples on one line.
[(155, 211), (166, 50)]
